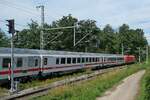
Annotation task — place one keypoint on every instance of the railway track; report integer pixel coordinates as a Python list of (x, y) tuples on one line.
[(43, 90)]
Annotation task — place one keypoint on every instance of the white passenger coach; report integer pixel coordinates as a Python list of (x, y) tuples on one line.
[(28, 61)]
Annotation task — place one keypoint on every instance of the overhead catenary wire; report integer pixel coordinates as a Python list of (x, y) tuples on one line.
[(24, 9), (21, 9), (21, 6)]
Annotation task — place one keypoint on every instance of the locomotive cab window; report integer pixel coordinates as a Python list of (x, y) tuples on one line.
[(19, 62), (45, 61), (6, 62)]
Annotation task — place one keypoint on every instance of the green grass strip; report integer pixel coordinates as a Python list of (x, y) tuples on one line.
[(89, 90), (145, 86)]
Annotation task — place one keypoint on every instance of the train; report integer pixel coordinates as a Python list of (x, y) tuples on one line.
[(33, 62)]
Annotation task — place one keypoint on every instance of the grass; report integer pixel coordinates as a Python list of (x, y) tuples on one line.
[(89, 90), (145, 86), (3, 91), (34, 83), (47, 81)]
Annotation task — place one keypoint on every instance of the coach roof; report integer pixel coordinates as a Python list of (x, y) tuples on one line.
[(50, 52)]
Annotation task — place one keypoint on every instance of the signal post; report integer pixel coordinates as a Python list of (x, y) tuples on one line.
[(11, 30)]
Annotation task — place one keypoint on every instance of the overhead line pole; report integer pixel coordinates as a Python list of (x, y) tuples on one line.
[(139, 55), (42, 32), (12, 63), (147, 53), (42, 26), (74, 35), (122, 48)]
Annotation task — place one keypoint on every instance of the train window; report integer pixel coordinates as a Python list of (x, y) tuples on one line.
[(120, 58), (83, 60), (93, 59), (68, 60), (97, 59), (90, 59), (114, 59), (19, 62), (6, 62), (63, 60), (36, 62), (78, 60), (57, 60), (45, 61), (74, 60), (87, 60)]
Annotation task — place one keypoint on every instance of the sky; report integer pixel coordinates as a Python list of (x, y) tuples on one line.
[(135, 13)]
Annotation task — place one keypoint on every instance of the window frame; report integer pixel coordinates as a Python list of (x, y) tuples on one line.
[(78, 60), (57, 61), (8, 62), (83, 60), (36, 64), (18, 62), (69, 60), (74, 60), (45, 61), (63, 60)]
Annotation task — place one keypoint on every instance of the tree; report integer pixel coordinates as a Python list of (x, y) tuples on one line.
[(4, 41), (96, 40), (65, 41), (91, 41), (131, 39), (28, 38), (107, 39)]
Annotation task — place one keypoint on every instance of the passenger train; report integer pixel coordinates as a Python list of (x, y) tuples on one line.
[(30, 62)]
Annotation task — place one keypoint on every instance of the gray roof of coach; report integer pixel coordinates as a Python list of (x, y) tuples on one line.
[(50, 52)]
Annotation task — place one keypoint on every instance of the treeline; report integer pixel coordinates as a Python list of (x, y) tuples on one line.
[(4, 40), (105, 40)]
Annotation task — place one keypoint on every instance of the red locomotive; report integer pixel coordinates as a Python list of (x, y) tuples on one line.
[(129, 59)]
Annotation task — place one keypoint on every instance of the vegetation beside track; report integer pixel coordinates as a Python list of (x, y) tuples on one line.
[(48, 80), (89, 90), (145, 86), (3, 91)]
